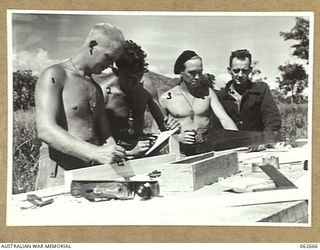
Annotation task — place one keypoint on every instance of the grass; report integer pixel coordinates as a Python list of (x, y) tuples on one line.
[(25, 151)]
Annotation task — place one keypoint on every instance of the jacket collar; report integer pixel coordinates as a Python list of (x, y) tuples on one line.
[(253, 89)]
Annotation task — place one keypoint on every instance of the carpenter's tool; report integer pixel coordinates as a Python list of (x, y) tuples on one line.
[(161, 139), (37, 201), (278, 178), (219, 139), (121, 190)]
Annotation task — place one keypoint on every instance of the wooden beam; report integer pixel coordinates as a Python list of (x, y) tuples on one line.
[(297, 213), (115, 172)]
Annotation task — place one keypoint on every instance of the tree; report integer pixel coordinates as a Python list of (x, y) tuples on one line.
[(299, 33), (256, 73), (293, 79), (23, 89)]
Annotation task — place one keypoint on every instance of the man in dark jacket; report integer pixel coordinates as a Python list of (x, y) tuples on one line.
[(250, 105)]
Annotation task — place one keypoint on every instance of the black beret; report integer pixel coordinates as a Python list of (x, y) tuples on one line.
[(185, 56)]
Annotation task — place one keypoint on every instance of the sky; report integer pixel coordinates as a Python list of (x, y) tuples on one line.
[(40, 40)]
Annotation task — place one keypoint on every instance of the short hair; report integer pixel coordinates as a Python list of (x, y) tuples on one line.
[(132, 58), (241, 54), (105, 34)]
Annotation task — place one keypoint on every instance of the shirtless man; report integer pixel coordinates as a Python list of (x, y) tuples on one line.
[(127, 95), (70, 113), (190, 102)]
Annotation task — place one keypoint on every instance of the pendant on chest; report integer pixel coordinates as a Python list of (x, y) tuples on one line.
[(192, 115), (131, 130), (92, 100)]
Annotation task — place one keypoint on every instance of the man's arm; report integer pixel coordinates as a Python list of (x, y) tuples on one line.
[(157, 111), (106, 86), (155, 108), (102, 123), (219, 111), (270, 113), (49, 109)]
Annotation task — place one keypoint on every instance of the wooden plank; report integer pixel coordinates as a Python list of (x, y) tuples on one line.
[(253, 198), (293, 214), (279, 179), (174, 146), (195, 172), (195, 158), (115, 172)]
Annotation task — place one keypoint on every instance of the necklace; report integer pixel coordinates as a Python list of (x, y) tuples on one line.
[(92, 100), (190, 104), (131, 121)]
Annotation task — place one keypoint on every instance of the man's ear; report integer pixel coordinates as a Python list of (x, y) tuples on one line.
[(229, 70), (115, 71), (92, 43)]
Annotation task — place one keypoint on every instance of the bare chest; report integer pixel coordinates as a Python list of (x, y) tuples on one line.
[(182, 106), (115, 100), (81, 97)]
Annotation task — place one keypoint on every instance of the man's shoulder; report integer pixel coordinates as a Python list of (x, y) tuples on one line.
[(55, 74), (109, 80), (57, 71), (261, 83), (220, 92), (168, 95), (173, 90), (149, 85), (260, 86)]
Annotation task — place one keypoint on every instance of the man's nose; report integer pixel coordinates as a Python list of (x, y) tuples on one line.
[(197, 76), (240, 73)]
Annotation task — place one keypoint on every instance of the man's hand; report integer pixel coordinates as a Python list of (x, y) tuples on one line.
[(109, 153), (141, 147), (187, 137), (171, 123), (257, 148)]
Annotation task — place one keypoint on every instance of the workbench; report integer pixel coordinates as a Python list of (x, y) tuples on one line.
[(208, 206)]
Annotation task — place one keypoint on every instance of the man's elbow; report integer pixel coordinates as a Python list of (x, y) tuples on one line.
[(44, 132)]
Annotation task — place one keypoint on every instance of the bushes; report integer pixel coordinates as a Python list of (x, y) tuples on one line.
[(294, 121), (23, 90)]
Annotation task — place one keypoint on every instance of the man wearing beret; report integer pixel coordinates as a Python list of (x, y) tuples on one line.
[(190, 102)]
